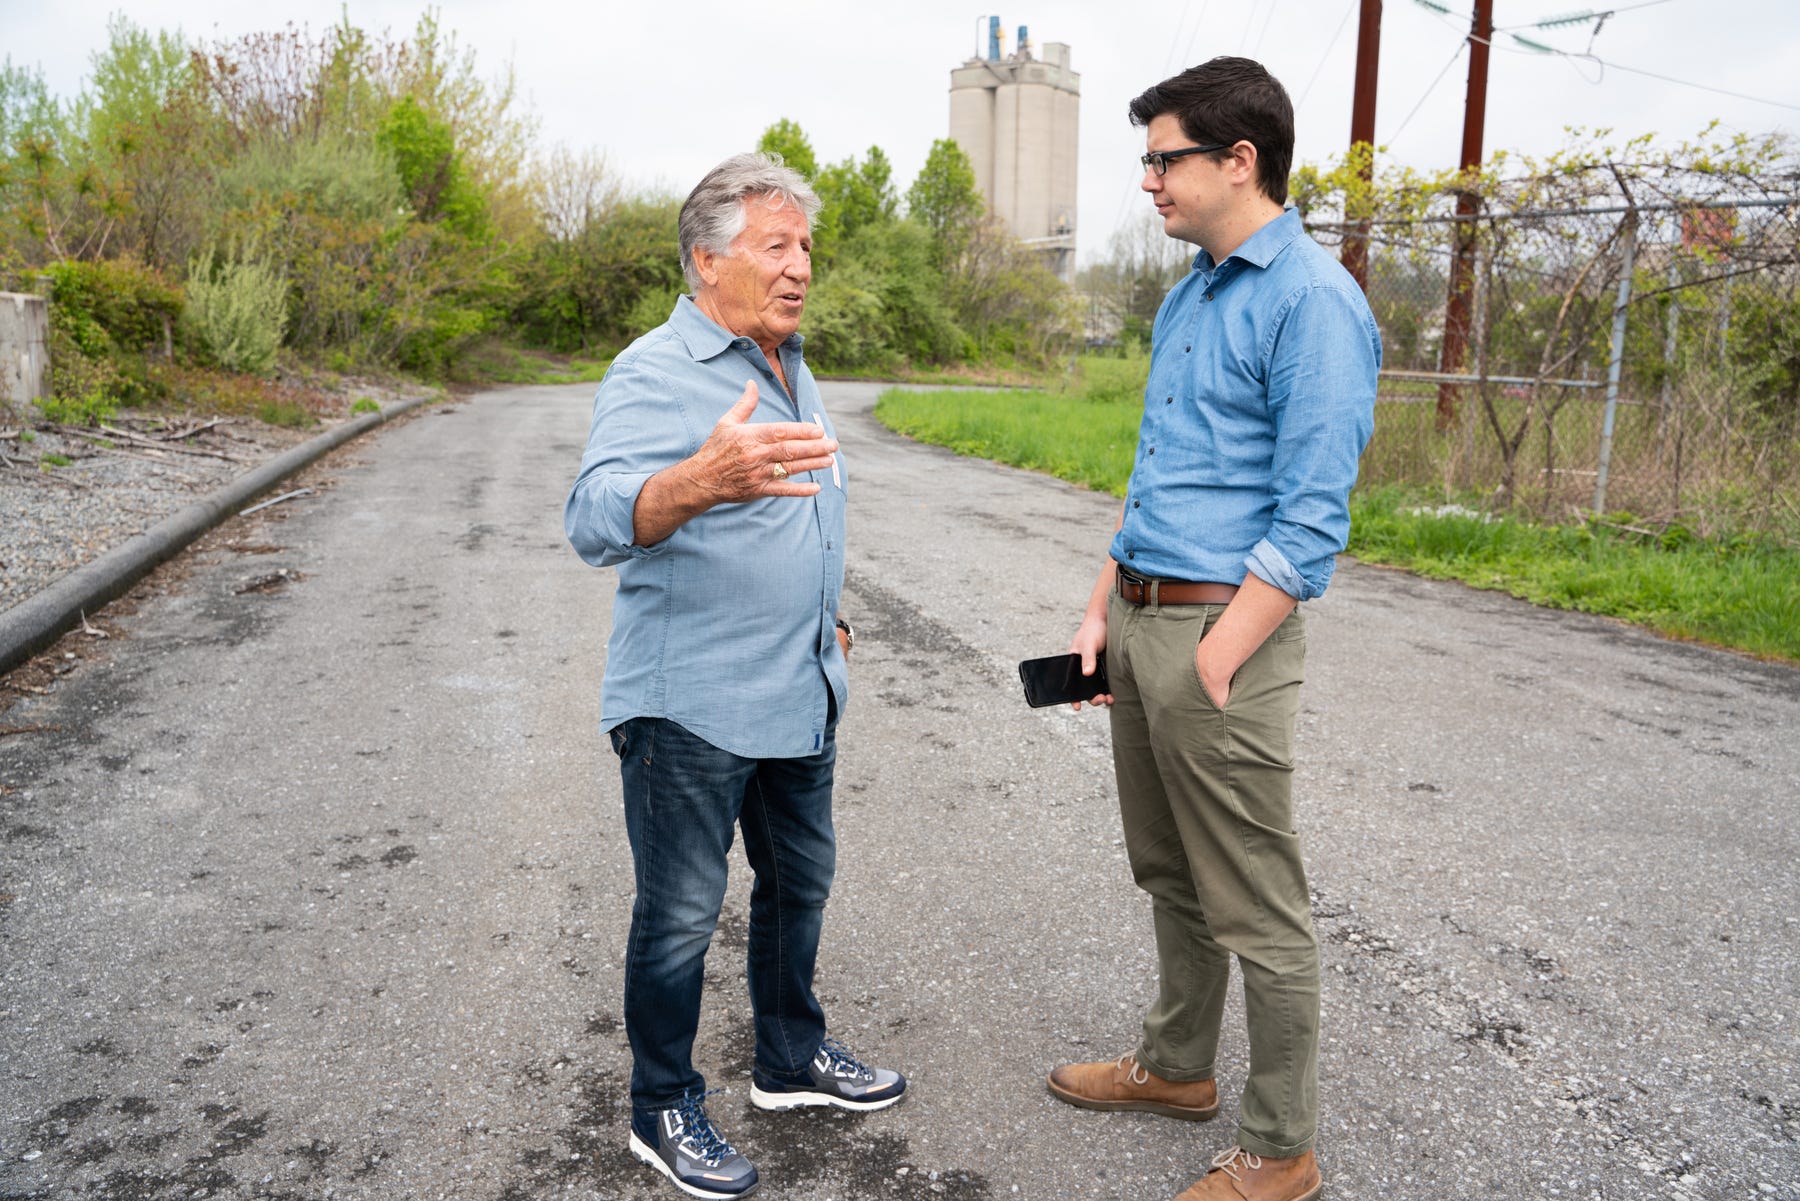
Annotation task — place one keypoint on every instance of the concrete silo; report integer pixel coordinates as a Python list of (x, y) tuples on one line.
[(1016, 118)]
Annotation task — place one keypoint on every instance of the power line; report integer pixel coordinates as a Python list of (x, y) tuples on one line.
[(1249, 20), (1454, 55), (1600, 16), (1187, 59), (1335, 38), (1257, 49), (1175, 41), (1576, 18), (1686, 83)]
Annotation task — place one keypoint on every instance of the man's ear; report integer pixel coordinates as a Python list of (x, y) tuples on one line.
[(1240, 167), (706, 264)]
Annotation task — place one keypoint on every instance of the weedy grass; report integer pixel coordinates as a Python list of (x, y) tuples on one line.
[(1739, 592)]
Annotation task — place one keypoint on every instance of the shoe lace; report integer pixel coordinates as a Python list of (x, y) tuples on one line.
[(1224, 1161), (840, 1059), (1135, 1071), (698, 1131)]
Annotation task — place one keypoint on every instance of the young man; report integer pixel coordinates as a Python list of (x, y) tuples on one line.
[(1260, 401)]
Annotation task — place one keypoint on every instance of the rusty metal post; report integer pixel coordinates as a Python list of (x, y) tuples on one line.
[(1616, 361), (1468, 204), (1362, 133)]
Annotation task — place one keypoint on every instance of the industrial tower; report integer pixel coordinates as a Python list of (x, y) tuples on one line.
[(1016, 117)]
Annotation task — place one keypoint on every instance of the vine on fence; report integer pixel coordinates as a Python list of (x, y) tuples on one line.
[(1658, 287)]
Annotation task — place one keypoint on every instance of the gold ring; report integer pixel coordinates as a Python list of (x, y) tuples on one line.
[(779, 470)]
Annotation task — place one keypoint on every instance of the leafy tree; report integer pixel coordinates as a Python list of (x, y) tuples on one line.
[(1127, 287), (431, 171), (788, 140), (858, 195), (945, 201), (854, 196)]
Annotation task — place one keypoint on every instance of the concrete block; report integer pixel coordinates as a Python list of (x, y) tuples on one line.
[(24, 348)]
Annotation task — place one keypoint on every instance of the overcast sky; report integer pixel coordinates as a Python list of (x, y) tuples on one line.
[(668, 89)]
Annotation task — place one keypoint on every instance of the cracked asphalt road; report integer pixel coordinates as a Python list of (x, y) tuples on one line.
[(318, 888)]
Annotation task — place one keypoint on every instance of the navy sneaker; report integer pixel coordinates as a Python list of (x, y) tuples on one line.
[(838, 1079), (690, 1151)]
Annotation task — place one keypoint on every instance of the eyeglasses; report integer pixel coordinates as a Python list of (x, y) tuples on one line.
[(1158, 160)]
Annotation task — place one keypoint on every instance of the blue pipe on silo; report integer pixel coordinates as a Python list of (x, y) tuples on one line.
[(993, 39), (1024, 43)]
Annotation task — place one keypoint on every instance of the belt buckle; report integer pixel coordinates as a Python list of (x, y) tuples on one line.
[(1147, 594)]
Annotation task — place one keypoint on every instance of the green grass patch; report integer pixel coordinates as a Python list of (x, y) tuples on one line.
[(1737, 592), (364, 405), (1087, 443), (284, 413), (494, 362), (1742, 593), (48, 461)]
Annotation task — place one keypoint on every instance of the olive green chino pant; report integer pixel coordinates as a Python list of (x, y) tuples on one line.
[(1207, 801)]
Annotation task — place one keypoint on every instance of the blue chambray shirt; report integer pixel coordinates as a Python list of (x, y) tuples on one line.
[(1260, 401), (727, 626)]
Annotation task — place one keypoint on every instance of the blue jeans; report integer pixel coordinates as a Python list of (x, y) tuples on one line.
[(682, 797)]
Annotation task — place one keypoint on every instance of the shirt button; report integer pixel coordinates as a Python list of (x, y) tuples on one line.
[(1186, 349), (1169, 401), (1207, 298), (1153, 450), (1134, 504), (1131, 554)]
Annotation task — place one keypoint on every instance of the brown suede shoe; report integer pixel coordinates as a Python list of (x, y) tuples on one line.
[(1124, 1083), (1238, 1175)]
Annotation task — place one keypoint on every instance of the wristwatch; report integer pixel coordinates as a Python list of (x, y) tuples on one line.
[(849, 633)]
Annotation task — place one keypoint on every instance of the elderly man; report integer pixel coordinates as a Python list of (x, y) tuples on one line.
[(1261, 396), (711, 481)]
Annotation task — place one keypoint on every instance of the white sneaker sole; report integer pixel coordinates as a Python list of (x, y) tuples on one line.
[(778, 1101), (641, 1150)]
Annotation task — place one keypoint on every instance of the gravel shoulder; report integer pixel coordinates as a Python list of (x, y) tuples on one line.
[(68, 496)]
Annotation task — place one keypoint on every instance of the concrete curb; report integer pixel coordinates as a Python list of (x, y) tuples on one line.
[(37, 622)]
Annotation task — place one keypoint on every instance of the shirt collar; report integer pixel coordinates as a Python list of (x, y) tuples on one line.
[(1260, 248), (706, 338)]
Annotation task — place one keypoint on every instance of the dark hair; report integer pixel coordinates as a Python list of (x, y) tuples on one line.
[(1230, 100)]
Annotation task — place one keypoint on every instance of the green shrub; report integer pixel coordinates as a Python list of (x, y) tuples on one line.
[(364, 405), (284, 413), (118, 305), (237, 312), (84, 388)]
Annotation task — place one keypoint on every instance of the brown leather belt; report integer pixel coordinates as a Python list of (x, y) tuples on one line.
[(1139, 590)]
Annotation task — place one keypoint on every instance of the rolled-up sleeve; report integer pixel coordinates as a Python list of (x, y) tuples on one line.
[(1323, 365), (639, 427)]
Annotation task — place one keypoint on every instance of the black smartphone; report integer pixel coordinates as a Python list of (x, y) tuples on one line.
[(1057, 680)]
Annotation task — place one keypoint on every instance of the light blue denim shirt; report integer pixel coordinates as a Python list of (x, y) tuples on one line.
[(1261, 399), (727, 626)]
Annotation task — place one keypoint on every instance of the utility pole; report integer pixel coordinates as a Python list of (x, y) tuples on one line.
[(1462, 265), (1362, 133)]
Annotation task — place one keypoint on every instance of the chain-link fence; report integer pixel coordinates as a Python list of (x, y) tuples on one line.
[(1618, 357)]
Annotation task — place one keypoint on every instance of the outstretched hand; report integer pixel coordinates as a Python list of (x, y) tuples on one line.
[(738, 461)]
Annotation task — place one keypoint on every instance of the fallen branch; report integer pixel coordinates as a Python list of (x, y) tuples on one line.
[(111, 432), (180, 435), (1629, 529)]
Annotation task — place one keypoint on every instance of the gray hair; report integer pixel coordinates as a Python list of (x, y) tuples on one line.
[(713, 215)]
